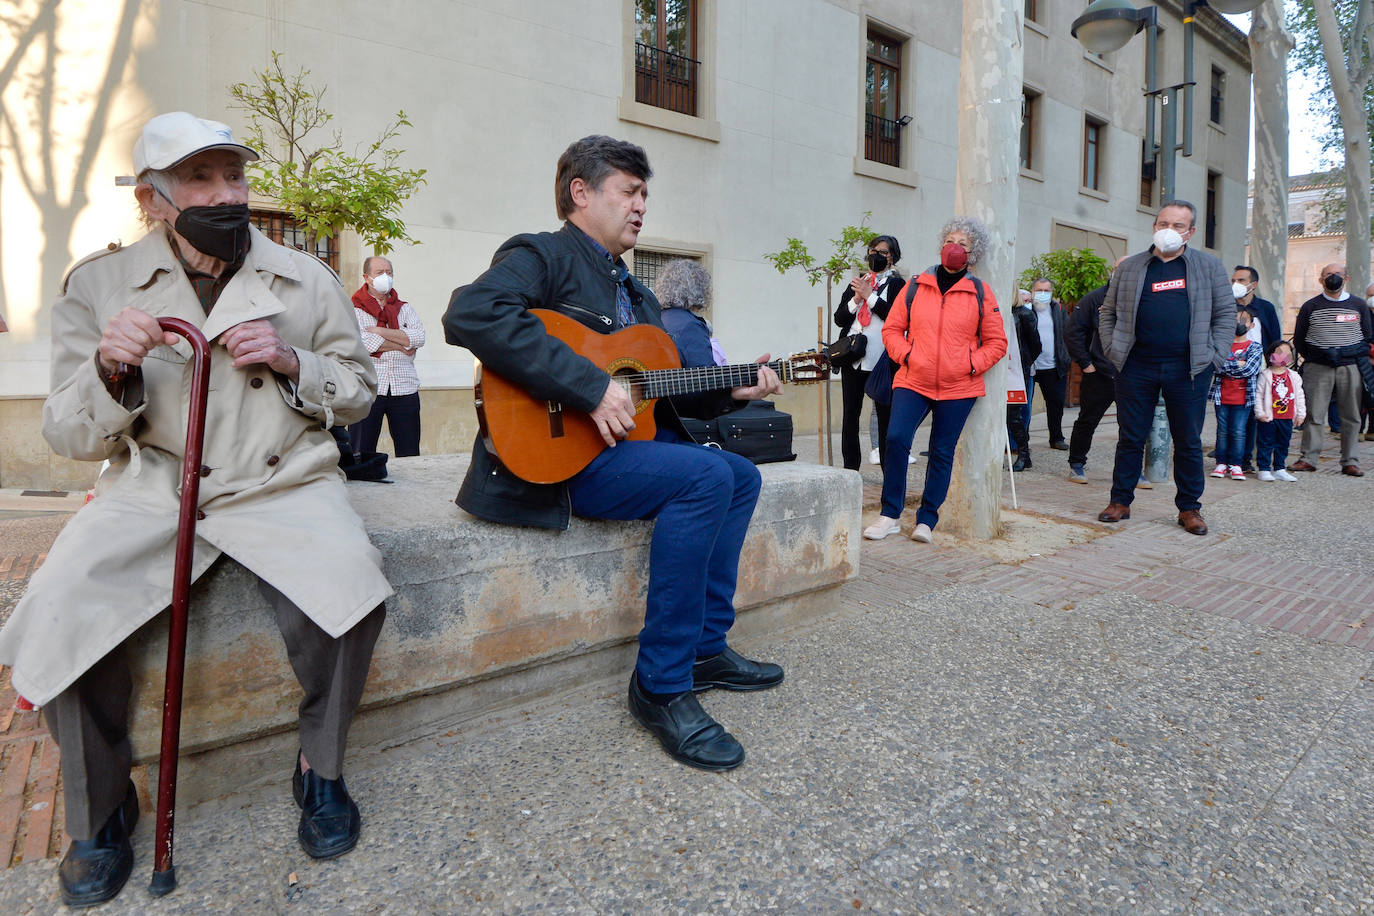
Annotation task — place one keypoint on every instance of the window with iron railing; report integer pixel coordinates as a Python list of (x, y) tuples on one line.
[(882, 97), (1211, 223), (283, 229), (1218, 96), (667, 69)]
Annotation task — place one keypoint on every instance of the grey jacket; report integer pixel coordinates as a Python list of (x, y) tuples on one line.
[(1211, 306)]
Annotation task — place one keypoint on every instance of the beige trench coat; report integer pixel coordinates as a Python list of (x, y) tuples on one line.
[(271, 494)]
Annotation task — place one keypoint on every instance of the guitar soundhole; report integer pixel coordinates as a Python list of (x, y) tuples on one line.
[(623, 371)]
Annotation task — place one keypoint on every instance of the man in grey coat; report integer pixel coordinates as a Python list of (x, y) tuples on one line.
[(1167, 322)]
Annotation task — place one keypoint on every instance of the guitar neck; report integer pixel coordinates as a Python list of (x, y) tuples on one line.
[(662, 383)]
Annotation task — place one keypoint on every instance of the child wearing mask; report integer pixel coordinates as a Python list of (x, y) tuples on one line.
[(1279, 406), (1233, 393)]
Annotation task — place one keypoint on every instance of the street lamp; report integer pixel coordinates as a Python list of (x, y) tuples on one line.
[(1107, 26)]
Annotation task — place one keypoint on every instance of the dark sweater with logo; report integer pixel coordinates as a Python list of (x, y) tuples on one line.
[(1333, 333), (1161, 322)]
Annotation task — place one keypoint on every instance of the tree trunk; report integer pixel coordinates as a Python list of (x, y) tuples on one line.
[(1351, 75), (991, 60), (1270, 44)]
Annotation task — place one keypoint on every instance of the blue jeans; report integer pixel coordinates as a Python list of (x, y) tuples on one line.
[(701, 500), (948, 419), (1274, 439), (1231, 432), (1138, 389)]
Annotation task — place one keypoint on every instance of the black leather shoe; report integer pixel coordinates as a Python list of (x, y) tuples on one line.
[(1022, 462), (732, 671), (94, 871), (1059, 445), (330, 822), (686, 732)]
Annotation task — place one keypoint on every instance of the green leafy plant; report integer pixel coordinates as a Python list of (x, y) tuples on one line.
[(848, 253), (1073, 271), (323, 187)]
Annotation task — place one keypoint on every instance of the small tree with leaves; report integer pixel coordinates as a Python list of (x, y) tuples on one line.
[(847, 255), (1073, 271), (324, 188)]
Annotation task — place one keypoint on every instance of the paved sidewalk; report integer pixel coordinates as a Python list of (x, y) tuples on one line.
[(1133, 720)]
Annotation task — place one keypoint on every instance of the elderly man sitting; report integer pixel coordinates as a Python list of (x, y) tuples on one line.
[(286, 364)]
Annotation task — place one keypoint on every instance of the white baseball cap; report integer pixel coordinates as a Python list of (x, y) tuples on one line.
[(172, 138)]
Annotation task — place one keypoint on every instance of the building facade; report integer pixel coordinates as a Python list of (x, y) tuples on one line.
[(763, 119)]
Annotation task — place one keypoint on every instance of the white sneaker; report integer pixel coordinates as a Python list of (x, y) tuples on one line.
[(873, 457), (1282, 474), (910, 459), (921, 533), (1237, 473), (1220, 470), (882, 528), (1266, 476)]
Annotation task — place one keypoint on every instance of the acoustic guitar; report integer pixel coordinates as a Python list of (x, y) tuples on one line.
[(545, 442)]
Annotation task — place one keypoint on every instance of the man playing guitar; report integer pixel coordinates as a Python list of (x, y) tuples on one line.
[(702, 499)]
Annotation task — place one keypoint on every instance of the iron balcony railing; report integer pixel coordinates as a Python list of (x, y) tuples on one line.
[(666, 80), (883, 140)]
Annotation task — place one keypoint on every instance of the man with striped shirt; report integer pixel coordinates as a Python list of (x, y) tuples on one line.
[(1332, 334), (391, 332)]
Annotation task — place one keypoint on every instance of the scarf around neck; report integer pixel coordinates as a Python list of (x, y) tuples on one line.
[(388, 314)]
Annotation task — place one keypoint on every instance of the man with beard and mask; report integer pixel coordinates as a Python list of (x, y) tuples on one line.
[(1332, 335), (392, 332), (1166, 324), (286, 364)]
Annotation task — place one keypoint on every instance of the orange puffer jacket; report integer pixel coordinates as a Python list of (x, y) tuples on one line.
[(936, 343)]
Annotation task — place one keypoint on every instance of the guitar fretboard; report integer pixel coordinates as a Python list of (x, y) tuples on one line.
[(662, 383)]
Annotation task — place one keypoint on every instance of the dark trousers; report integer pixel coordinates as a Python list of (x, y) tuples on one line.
[(1096, 392), (1231, 432), (90, 719), (701, 500), (947, 422), (1052, 386), (852, 381), (1138, 389), (402, 415), (1016, 429), (1251, 430), (1274, 439)]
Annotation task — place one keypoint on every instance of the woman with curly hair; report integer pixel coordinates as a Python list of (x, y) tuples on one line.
[(944, 331), (683, 288)]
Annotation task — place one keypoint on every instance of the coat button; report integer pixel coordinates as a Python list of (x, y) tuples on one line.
[(204, 471), (272, 462), (256, 383), (200, 516)]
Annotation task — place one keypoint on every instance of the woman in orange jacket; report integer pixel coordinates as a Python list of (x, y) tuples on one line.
[(944, 331)]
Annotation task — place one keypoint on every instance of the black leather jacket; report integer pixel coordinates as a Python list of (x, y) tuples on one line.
[(1080, 333), (563, 272)]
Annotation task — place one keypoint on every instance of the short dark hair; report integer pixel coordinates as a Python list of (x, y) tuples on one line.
[(892, 246), (1269, 350), (1179, 202), (1254, 274), (592, 159)]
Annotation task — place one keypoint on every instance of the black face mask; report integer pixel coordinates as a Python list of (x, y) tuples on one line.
[(1333, 282), (220, 231), (1242, 329), (878, 261)]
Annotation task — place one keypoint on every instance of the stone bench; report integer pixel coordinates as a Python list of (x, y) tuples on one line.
[(483, 614)]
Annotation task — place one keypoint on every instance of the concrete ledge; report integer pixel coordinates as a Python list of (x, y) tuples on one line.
[(498, 611)]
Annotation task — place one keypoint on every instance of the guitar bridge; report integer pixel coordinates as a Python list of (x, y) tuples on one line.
[(555, 419)]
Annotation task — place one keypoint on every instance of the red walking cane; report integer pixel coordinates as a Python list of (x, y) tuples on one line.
[(164, 872)]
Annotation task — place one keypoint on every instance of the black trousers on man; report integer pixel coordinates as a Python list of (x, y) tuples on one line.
[(1052, 386), (402, 415), (1096, 392)]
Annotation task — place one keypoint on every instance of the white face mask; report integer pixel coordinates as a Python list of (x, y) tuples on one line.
[(1168, 240), (382, 283), (1239, 290), (1041, 299)]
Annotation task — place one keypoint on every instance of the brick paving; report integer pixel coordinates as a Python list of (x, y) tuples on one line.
[(1148, 557)]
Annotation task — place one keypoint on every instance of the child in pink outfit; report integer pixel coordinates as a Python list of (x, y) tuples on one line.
[(1279, 406)]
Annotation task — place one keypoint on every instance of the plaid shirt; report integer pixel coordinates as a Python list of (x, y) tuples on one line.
[(395, 370), (1244, 364)]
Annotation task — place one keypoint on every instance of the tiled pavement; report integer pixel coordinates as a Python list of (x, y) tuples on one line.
[(1104, 726)]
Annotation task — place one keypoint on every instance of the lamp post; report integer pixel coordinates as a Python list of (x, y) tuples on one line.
[(1107, 25)]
